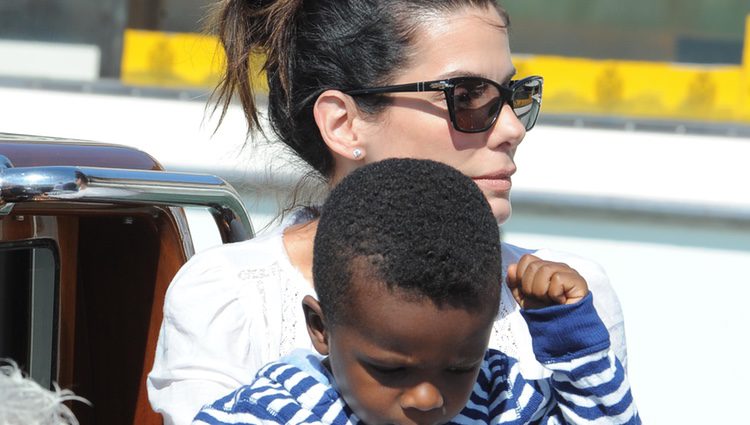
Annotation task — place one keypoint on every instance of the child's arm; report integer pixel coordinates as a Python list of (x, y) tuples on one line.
[(240, 407), (569, 338)]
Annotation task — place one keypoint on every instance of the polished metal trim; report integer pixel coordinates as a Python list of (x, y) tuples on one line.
[(139, 187), (186, 238), (5, 162), (441, 85), (627, 208)]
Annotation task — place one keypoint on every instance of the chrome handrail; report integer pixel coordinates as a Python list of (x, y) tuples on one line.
[(113, 185), (5, 162)]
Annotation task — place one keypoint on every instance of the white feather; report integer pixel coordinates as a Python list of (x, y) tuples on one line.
[(25, 402)]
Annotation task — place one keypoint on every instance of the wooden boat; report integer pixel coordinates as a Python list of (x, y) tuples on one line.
[(90, 237)]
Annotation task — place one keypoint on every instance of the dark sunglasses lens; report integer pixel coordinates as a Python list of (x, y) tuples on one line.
[(526, 101), (476, 104)]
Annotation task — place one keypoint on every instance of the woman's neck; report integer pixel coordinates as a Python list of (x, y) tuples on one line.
[(298, 242)]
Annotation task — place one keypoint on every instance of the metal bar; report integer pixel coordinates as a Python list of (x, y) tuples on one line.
[(109, 185), (5, 162), (553, 203)]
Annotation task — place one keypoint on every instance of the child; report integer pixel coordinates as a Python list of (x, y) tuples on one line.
[(407, 271)]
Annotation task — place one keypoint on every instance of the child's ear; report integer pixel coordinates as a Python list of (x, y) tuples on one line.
[(316, 326)]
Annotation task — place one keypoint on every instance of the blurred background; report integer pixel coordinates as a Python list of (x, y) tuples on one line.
[(639, 160)]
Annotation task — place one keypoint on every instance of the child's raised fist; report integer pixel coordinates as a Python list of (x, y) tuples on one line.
[(536, 283)]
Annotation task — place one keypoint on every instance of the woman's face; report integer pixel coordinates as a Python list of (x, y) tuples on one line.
[(468, 42)]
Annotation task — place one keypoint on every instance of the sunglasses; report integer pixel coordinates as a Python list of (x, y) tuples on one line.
[(474, 103)]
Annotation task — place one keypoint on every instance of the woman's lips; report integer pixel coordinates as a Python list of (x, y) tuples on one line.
[(500, 182)]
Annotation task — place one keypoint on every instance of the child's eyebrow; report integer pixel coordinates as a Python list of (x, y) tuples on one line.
[(397, 360), (388, 359), (467, 364)]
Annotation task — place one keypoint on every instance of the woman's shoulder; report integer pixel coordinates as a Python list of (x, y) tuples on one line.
[(225, 272), (242, 276), (250, 257), (259, 251)]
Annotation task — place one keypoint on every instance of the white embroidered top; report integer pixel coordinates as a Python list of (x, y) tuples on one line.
[(234, 308)]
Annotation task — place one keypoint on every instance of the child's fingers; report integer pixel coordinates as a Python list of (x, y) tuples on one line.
[(557, 289), (536, 280), (512, 277), (536, 283), (523, 264), (518, 270), (566, 286), (518, 296), (538, 277)]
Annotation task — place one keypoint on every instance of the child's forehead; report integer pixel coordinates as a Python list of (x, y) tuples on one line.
[(369, 294), (395, 318), (367, 287)]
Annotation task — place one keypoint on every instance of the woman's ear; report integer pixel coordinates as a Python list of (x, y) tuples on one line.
[(336, 114), (316, 326)]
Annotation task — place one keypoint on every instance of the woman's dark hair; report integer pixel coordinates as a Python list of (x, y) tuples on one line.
[(312, 46), (421, 228)]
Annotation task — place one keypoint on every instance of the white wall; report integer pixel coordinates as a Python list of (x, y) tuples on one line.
[(682, 283), (32, 59)]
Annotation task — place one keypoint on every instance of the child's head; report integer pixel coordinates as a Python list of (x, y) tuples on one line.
[(407, 270)]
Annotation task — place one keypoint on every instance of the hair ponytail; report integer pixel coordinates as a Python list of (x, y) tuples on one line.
[(281, 30), (245, 28)]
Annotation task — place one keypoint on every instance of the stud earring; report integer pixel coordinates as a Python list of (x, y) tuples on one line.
[(357, 153)]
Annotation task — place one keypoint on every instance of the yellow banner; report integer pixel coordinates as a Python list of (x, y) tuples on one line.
[(571, 85), (640, 89), (152, 58)]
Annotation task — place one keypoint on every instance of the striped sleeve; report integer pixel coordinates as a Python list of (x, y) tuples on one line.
[(588, 383), (238, 407), (280, 394)]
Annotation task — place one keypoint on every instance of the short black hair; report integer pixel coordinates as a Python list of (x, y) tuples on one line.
[(418, 226)]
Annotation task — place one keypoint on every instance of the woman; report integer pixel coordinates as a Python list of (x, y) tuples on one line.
[(350, 82)]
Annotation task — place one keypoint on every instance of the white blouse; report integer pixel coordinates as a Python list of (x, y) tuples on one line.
[(236, 307)]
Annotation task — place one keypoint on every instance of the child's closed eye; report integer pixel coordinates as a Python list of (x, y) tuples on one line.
[(386, 370), (458, 370)]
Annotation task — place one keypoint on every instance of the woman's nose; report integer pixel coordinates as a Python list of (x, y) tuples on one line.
[(508, 130), (424, 396)]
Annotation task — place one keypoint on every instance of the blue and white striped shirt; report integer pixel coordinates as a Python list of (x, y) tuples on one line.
[(587, 386)]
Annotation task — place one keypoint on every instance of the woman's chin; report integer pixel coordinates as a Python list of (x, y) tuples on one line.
[(501, 209)]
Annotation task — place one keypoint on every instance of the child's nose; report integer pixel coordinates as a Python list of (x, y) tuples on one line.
[(424, 396)]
